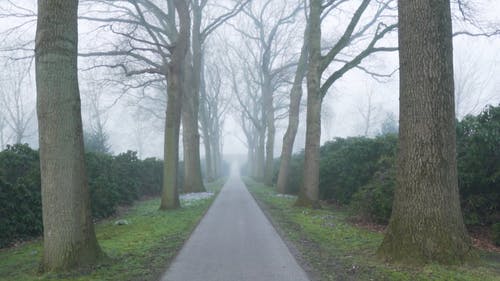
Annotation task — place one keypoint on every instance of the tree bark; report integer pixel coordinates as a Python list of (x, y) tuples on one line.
[(426, 224), (293, 118), (193, 181), (69, 237), (260, 156), (271, 131), (170, 196), (309, 192), (205, 123)]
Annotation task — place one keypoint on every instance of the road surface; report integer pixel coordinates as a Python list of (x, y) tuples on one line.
[(235, 242)]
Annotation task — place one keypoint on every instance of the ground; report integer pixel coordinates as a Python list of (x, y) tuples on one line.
[(139, 250), (331, 247)]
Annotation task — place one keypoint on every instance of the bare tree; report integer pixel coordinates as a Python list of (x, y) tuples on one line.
[(470, 86), (213, 108), (364, 30), (245, 86), (268, 40), (369, 114), (193, 181), (18, 112), (3, 137), (293, 117)]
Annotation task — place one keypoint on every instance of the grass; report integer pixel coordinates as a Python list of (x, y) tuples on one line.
[(140, 250), (334, 249)]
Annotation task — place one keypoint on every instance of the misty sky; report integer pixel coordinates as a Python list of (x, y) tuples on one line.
[(476, 59)]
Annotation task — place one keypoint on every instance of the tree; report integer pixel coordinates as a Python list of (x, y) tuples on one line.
[(213, 109), (18, 111), (170, 197), (69, 237), (193, 181), (95, 137), (369, 114), (365, 36), (271, 37), (148, 32), (3, 124), (293, 117), (426, 224), (389, 124)]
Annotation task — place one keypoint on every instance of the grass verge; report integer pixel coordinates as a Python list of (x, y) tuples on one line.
[(140, 250), (334, 249)]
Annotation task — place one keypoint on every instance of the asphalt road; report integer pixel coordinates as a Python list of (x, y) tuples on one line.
[(235, 242)]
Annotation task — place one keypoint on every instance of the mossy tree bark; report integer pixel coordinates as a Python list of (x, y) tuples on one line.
[(170, 196), (69, 237), (426, 223)]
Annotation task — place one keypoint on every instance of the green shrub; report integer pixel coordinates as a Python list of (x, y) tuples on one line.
[(374, 200), (20, 198), (478, 143), (113, 180), (347, 164)]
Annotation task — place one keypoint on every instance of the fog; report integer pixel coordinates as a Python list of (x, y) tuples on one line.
[(133, 118)]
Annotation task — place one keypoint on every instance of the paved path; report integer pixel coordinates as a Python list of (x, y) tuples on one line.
[(235, 242)]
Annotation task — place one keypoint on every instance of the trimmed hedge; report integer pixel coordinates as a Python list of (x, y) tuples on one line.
[(113, 181)]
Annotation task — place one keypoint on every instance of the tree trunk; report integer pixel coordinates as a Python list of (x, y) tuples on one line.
[(193, 181), (69, 237), (216, 153), (289, 138), (260, 156), (205, 123), (426, 223), (293, 117), (271, 130), (170, 196), (309, 193)]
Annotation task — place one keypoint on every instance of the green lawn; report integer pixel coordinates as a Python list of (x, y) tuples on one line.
[(140, 250), (337, 250)]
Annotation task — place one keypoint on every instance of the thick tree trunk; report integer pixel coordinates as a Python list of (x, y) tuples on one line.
[(426, 223), (293, 117), (193, 181), (170, 196), (69, 237), (309, 193)]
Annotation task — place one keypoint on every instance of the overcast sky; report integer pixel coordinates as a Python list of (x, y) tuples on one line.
[(342, 106)]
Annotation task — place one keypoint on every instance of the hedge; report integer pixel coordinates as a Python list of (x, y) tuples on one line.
[(113, 181), (360, 172)]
